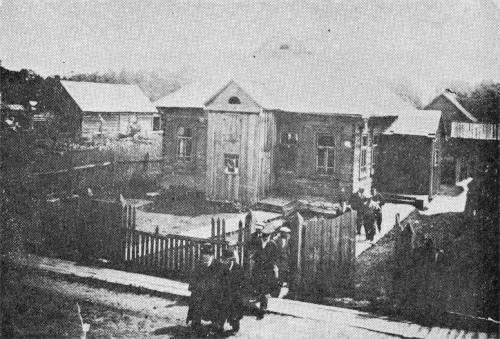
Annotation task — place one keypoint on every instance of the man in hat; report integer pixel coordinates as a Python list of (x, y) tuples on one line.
[(357, 203), (233, 282), (253, 244), (284, 253), (206, 292), (378, 199), (266, 271)]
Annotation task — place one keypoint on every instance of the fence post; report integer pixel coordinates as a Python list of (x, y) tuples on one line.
[(300, 230), (240, 242), (212, 234)]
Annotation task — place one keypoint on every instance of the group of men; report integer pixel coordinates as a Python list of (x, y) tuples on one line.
[(369, 211), (218, 287)]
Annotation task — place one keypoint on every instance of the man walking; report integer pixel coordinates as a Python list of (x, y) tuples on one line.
[(265, 276), (233, 282), (253, 245), (357, 203), (206, 292), (378, 199)]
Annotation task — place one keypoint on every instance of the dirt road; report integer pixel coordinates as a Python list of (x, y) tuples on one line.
[(128, 315)]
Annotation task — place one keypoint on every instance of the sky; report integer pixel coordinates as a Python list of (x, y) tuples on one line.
[(428, 42)]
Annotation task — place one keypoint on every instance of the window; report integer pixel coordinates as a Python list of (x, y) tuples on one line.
[(375, 141), (184, 144), (288, 151), (326, 154), (289, 139), (156, 123), (234, 101), (363, 156), (231, 163)]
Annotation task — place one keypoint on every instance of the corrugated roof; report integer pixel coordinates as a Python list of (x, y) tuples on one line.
[(99, 97), (421, 123)]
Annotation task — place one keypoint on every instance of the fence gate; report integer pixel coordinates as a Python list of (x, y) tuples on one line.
[(328, 253)]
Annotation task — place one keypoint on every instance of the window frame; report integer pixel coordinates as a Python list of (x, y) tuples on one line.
[(323, 169), (232, 156), (179, 138), (363, 155), (160, 129), (288, 149), (375, 142)]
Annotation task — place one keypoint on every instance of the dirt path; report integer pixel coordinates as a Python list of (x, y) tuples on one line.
[(128, 315)]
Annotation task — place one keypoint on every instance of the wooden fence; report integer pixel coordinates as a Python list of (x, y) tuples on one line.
[(326, 254), (84, 228)]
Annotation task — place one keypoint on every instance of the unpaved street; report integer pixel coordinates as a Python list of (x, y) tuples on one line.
[(119, 314)]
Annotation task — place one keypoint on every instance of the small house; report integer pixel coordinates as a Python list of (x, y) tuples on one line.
[(111, 110), (409, 155), (453, 165)]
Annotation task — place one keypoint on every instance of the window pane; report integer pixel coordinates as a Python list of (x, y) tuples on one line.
[(321, 157), (156, 123), (289, 138), (365, 140), (326, 140), (330, 160)]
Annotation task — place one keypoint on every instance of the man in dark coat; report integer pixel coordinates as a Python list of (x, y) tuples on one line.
[(206, 292), (253, 244), (357, 203), (369, 219), (378, 198), (233, 283), (265, 276)]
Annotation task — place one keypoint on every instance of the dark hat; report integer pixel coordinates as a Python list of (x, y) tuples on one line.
[(227, 253), (207, 248)]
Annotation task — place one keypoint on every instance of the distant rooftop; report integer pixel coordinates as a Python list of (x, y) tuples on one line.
[(101, 97), (419, 123)]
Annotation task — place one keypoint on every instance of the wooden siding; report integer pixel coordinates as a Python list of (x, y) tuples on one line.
[(116, 123), (187, 173), (403, 164), (249, 136), (476, 131), (305, 179), (449, 112), (221, 101)]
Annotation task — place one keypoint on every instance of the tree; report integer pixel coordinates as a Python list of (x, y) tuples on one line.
[(483, 102)]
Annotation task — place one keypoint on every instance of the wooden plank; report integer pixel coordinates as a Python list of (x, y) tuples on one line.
[(176, 254)]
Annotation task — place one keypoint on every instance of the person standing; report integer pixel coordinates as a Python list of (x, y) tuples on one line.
[(206, 292), (253, 244), (378, 198), (369, 219), (357, 203), (233, 282), (265, 276), (284, 253)]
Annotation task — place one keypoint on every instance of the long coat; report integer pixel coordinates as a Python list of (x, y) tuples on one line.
[(206, 293), (266, 260), (234, 284), (283, 262)]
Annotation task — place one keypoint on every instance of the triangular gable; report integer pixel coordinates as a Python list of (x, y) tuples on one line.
[(225, 98)]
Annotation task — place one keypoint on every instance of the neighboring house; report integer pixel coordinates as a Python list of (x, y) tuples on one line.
[(278, 131), (474, 145), (409, 155), (452, 111), (111, 110)]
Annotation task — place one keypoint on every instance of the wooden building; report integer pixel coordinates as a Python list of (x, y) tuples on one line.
[(97, 109), (409, 155), (452, 111), (287, 124)]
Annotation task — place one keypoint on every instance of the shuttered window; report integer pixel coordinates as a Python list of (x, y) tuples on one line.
[(184, 144)]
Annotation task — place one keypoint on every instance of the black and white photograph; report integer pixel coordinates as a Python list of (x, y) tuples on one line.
[(249, 169)]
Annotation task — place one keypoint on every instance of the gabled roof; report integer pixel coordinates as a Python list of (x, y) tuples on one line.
[(114, 98), (421, 123), (452, 98), (302, 82), (193, 95)]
